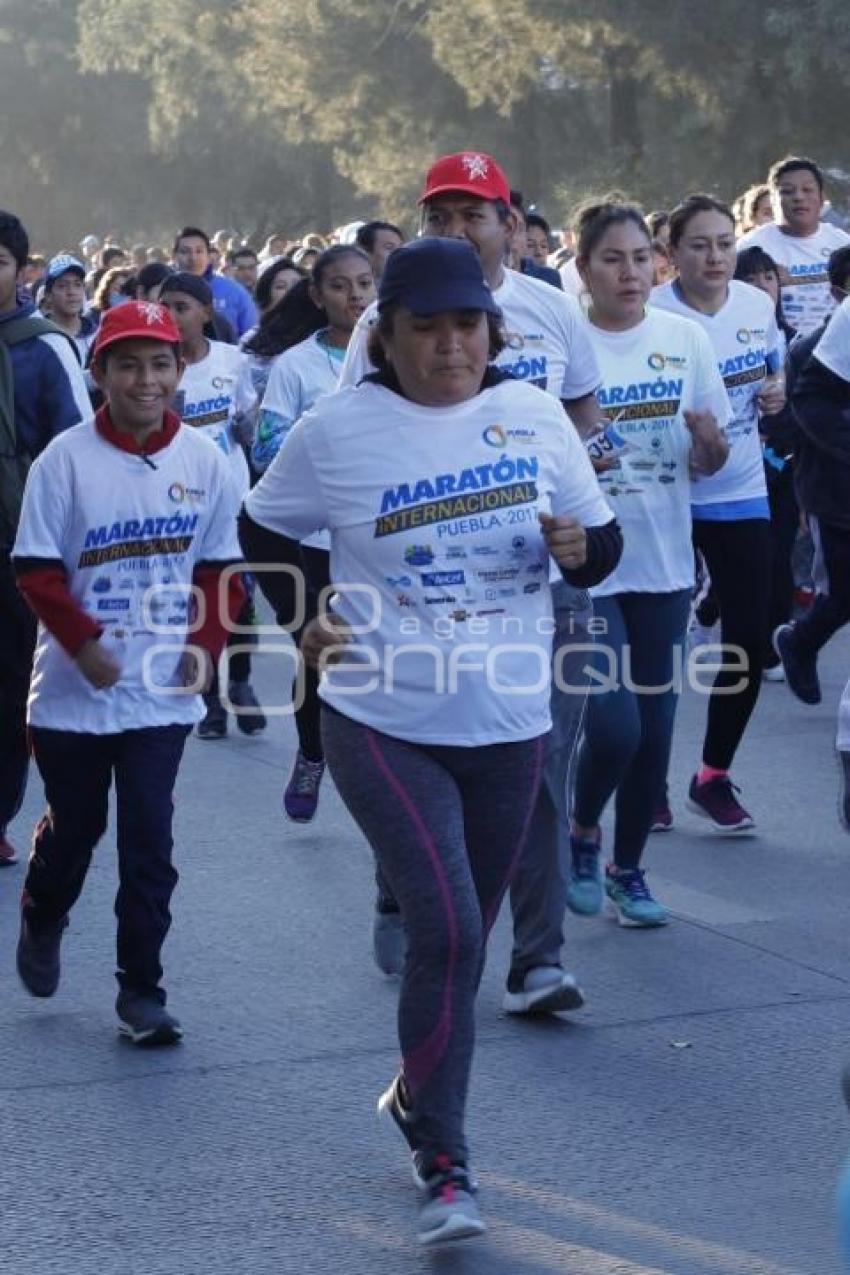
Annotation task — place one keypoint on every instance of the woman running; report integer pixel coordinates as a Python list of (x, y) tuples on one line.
[(312, 326), (731, 516), (663, 397), (435, 477)]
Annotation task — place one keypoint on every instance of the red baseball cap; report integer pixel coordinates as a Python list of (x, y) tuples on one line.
[(470, 172), (135, 319)]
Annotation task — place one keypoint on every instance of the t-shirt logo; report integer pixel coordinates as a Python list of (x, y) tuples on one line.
[(477, 167)]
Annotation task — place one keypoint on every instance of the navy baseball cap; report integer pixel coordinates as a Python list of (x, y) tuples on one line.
[(64, 264), (430, 275)]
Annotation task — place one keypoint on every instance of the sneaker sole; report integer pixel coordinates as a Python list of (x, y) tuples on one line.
[(6, 861), (454, 1228), (388, 1122), (628, 923), (550, 1000), (661, 827), (729, 830), (843, 802), (298, 818), (151, 1039)]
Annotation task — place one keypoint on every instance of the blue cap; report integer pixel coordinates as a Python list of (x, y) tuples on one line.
[(430, 275), (64, 264)]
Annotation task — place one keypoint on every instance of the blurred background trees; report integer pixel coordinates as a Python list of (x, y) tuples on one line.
[(290, 115)]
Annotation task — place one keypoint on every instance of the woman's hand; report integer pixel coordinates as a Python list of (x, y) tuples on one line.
[(709, 445), (772, 398), (324, 640), (566, 541), (100, 668)]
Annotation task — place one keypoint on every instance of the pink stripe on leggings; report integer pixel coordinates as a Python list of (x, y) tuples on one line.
[(420, 1065)]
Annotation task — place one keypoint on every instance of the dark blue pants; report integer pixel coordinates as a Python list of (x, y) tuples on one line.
[(17, 643), (629, 727), (77, 771)]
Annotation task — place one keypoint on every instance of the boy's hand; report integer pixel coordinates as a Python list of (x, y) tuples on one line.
[(100, 669), (324, 640), (192, 670), (566, 540)]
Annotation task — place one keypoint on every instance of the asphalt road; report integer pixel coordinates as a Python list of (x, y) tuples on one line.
[(686, 1122)]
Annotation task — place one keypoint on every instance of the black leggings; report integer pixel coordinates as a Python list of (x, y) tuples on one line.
[(305, 685), (447, 826), (738, 558), (830, 610)]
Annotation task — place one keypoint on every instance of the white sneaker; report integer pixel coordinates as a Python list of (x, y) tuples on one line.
[(701, 636), (546, 989), (774, 674)]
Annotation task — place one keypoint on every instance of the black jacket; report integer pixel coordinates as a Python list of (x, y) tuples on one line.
[(820, 410)]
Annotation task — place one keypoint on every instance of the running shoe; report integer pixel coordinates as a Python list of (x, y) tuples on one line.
[(844, 792), (250, 718), (584, 888), (8, 854), (662, 819), (144, 1021), (38, 955), (394, 1109), (450, 1211), (545, 989), (389, 938), (773, 673), (715, 801), (801, 671), (214, 725), (701, 638), (302, 792), (630, 899)]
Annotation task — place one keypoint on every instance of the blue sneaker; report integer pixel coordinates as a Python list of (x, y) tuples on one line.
[(630, 898), (584, 888)]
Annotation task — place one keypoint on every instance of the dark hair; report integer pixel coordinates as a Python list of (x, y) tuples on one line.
[(656, 219), (151, 274), (659, 246), (535, 219), (517, 201), (594, 218), (110, 254), (296, 316), (690, 207), (791, 164), (192, 232), (267, 276), (750, 201), (192, 285), (365, 237), (838, 266), (14, 238), (384, 328), (245, 250)]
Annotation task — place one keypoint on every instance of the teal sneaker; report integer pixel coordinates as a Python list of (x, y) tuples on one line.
[(584, 888), (630, 898)]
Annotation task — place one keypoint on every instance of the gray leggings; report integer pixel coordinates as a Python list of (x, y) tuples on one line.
[(447, 826)]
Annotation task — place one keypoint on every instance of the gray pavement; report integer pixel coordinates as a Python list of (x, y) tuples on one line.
[(686, 1122)]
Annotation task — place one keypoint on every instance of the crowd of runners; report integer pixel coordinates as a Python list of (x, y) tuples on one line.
[(507, 489)]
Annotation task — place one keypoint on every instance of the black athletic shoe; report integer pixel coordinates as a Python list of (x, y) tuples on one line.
[(801, 671), (214, 725), (844, 790), (145, 1021), (250, 718), (38, 956), (394, 1108)]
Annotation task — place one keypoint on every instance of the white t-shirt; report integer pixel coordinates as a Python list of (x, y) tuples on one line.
[(210, 397), (833, 349), (651, 375), (433, 514), (746, 345), (571, 280), (807, 301), (547, 343), (297, 378), (129, 535)]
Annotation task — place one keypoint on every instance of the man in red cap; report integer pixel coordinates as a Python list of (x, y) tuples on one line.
[(128, 522), (467, 196)]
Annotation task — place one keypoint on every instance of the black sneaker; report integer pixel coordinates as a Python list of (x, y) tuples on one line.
[(38, 955), (145, 1021), (801, 671), (394, 1108), (214, 725), (250, 717)]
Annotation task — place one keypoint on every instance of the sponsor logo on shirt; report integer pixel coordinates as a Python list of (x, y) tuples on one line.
[(113, 604), (178, 492), (658, 362), (419, 555), (102, 585), (532, 587), (399, 582), (442, 579), (641, 402), (498, 574), (499, 436), (138, 538)]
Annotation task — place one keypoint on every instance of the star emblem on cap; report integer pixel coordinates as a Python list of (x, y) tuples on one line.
[(477, 167), (152, 312)]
